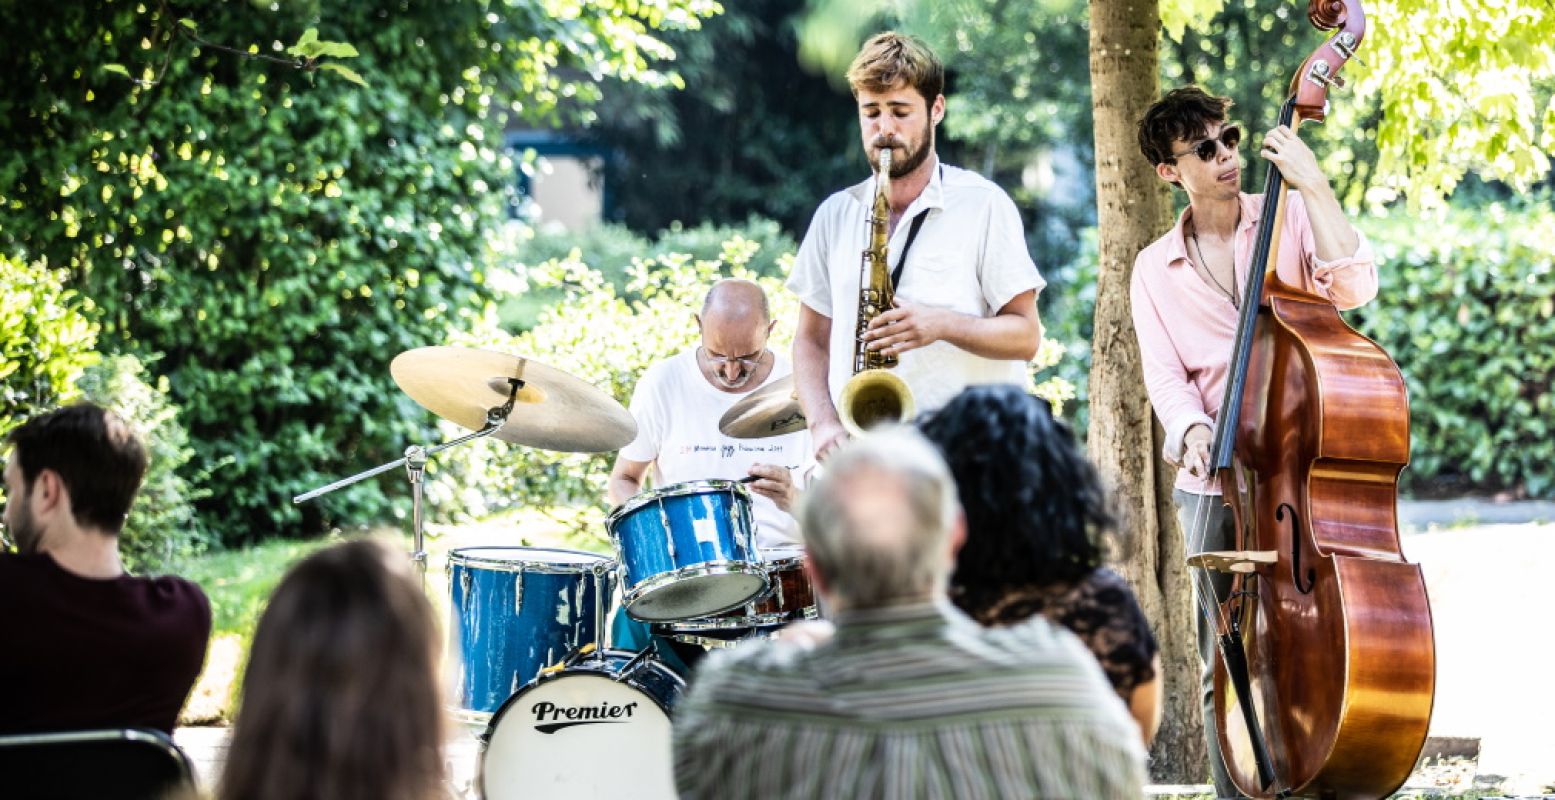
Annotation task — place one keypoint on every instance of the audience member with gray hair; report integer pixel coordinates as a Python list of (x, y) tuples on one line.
[(908, 697)]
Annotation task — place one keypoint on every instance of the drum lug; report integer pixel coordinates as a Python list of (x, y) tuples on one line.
[(518, 593), (669, 532)]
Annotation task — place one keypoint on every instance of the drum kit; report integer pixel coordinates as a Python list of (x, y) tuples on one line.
[(528, 625)]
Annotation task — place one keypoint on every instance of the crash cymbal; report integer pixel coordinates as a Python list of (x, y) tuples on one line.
[(772, 410), (552, 411)]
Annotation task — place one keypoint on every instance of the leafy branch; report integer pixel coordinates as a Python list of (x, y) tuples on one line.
[(306, 54)]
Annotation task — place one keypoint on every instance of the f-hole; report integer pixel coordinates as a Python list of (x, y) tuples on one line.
[(1305, 587)]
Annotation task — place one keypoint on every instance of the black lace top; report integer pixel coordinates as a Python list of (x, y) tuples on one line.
[(1102, 611)]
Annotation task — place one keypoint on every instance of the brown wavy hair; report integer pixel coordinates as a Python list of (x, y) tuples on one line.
[(892, 58), (341, 699)]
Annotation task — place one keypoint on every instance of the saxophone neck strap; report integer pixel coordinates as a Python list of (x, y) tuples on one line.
[(912, 234)]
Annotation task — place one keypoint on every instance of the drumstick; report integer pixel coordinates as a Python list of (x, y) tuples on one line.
[(749, 478)]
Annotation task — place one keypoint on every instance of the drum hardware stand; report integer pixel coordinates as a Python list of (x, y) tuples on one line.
[(415, 462), (637, 661)]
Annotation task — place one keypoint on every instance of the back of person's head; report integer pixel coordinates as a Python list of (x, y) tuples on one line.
[(890, 60), (340, 698), (94, 452), (1035, 506), (1184, 114), (879, 524)]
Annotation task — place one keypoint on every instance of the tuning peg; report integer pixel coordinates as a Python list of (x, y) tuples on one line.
[(1320, 74)]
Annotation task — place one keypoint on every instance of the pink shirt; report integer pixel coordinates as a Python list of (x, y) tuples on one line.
[(1186, 328)]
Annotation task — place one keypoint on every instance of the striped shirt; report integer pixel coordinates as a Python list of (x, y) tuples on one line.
[(912, 701)]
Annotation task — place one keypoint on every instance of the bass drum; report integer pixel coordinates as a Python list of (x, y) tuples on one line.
[(597, 729)]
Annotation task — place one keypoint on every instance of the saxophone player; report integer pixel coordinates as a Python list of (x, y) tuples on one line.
[(965, 286)]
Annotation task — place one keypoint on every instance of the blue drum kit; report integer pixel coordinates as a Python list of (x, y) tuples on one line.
[(528, 626)]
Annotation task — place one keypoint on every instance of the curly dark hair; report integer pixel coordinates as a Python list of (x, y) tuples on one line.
[(1035, 506), (1185, 113)]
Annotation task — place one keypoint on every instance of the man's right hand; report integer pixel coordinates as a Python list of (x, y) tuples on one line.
[(827, 436), (1195, 450)]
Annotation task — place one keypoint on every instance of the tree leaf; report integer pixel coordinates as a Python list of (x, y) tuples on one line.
[(334, 50), (117, 69), (305, 43), (189, 23), (345, 72)]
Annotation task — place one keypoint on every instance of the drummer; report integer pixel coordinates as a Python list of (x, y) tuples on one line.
[(679, 401)]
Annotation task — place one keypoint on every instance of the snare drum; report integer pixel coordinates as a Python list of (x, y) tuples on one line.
[(687, 551), (790, 599), (600, 728), (514, 610)]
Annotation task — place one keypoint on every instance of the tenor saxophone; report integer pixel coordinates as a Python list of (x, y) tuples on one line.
[(874, 395)]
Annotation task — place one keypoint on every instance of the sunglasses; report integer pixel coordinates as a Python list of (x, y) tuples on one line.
[(1230, 136)]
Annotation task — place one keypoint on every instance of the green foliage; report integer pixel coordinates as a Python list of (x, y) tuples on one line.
[(1467, 310), (753, 133), (1069, 315), (599, 336), (46, 339), (162, 531), (268, 240), (613, 249)]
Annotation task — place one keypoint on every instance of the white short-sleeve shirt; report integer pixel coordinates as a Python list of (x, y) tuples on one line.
[(677, 413), (970, 256)]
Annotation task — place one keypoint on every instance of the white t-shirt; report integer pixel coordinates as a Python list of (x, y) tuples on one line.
[(677, 413), (970, 256)]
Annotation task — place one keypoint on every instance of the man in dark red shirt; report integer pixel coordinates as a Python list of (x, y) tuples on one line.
[(83, 644)]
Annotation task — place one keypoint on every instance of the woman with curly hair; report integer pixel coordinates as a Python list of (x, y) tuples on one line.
[(341, 697), (1035, 511)]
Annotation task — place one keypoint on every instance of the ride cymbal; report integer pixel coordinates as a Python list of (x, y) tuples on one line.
[(772, 410), (552, 410)]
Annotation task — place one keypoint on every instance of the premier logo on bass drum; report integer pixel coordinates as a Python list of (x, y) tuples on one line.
[(547, 713)]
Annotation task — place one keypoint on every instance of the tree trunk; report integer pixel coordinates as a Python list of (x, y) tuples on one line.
[(1133, 208)]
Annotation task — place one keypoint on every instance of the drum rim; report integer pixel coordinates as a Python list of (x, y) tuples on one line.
[(773, 619), (784, 562), (591, 665), (674, 490), (456, 557), (704, 569)]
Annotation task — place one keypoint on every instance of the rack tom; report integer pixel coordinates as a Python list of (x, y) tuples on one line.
[(687, 550)]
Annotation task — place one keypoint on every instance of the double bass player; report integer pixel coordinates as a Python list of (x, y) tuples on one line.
[(1187, 287)]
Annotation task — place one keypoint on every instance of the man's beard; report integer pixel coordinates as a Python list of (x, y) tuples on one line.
[(914, 158), (23, 531)]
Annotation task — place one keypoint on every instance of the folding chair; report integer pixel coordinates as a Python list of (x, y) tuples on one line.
[(113, 764)]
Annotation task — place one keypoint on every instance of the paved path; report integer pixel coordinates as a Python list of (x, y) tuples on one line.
[(1493, 610)]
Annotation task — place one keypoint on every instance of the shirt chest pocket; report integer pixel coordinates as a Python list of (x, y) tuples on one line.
[(943, 276)]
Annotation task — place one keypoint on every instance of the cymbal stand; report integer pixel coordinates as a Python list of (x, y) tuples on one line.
[(415, 462)]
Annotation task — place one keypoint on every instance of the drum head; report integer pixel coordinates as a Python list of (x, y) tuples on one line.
[(582, 735), (694, 596)]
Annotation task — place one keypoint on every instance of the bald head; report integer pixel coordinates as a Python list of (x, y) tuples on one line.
[(736, 299), (735, 323)]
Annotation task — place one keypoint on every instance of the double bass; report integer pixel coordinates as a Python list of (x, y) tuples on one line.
[(1327, 675)]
